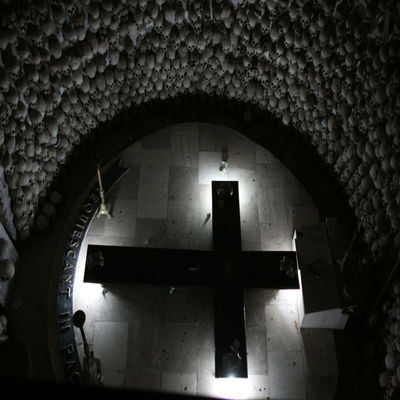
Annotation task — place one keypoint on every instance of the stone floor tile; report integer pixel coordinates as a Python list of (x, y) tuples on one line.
[(151, 232), (250, 225), (143, 378), (209, 167), (272, 206), (243, 158), (286, 375), (264, 156), (238, 143), (183, 184), (154, 167), (183, 221), (188, 306), (254, 301), (286, 297), (257, 350), (152, 200), (128, 187), (319, 352), (111, 345), (276, 237), (132, 155), (283, 331), (248, 191), (178, 346), (180, 383), (123, 218), (184, 150), (270, 175), (96, 228)]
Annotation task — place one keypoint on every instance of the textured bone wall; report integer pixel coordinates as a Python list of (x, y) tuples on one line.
[(328, 68)]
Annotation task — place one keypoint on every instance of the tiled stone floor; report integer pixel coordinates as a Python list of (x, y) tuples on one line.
[(149, 338)]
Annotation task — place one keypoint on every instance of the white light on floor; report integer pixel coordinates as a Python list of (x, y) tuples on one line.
[(284, 296), (89, 294), (231, 388)]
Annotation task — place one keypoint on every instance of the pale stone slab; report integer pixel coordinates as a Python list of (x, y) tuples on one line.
[(319, 351), (184, 150), (128, 187), (151, 232), (132, 155), (257, 350), (270, 175), (154, 167), (242, 158), (188, 306), (248, 191), (272, 206), (143, 378), (183, 184), (285, 297), (254, 301), (205, 238), (253, 387), (209, 164), (264, 156), (286, 375), (96, 228), (283, 331), (111, 339), (180, 383), (152, 200), (178, 344), (276, 237), (250, 225), (122, 222)]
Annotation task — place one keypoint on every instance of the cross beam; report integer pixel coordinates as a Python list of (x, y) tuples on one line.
[(227, 268)]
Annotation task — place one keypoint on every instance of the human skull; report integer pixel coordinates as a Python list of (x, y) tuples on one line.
[(7, 269), (3, 328)]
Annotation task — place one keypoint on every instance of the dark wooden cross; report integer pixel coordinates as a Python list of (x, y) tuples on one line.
[(227, 268)]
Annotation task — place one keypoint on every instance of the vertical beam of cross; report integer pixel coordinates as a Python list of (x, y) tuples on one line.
[(230, 337)]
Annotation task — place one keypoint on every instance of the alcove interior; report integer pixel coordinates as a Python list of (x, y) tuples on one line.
[(164, 336)]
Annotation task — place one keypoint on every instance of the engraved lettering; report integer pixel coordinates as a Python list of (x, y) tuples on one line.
[(77, 234), (68, 278), (69, 349), (71, 253), (68, 266), (66, 292), (74, 243), (88, 208), (70, 364), (84, 218), (76, 378), (65, 321), (65, 325)]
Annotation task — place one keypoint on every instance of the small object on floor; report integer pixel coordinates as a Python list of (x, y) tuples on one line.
[(207, 218), (104, 292), (223, 167)]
